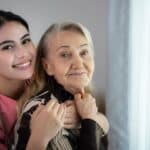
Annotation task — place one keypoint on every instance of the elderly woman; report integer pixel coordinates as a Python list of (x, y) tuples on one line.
[(64, 70)]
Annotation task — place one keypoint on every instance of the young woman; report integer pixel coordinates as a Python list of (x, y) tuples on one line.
[(17, 59), (64, 69)]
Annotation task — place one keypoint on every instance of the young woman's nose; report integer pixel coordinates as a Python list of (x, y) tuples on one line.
[(20, 51)]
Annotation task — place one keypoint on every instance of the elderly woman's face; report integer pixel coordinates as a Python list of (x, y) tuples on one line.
[(70, 60)]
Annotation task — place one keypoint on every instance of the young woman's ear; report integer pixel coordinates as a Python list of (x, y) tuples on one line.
[(47, 66)]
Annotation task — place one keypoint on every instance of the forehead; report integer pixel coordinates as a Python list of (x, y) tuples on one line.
[(67, 38), (12, 30)]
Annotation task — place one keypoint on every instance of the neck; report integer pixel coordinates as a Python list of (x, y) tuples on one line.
[(74, 90), (11, 88)]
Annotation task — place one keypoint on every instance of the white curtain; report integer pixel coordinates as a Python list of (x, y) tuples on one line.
[(128, 86), (118, 75), (139, 96)]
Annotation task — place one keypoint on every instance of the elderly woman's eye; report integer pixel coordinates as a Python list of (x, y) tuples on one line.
[(84, 53), (65, 54)]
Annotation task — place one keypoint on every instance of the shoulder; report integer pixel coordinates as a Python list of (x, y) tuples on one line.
[(8, 107), (4, 100), (35, 101), (8, 114)]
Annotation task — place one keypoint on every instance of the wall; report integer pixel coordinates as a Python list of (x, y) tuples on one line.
[(40, 14)]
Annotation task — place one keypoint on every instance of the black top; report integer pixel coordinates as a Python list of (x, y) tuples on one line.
[(90, 132)]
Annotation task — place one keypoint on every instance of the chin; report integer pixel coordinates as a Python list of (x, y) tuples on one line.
[(26, 76), (76, 89), (76, 86)]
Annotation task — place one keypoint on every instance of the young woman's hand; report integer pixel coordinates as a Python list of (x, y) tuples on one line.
[(45, 123), (72, 119)]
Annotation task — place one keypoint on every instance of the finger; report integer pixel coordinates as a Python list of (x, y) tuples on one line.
[(37, 111), (55, 108), (70, 121), (82, 92), (50, 104), (88, 97), (62, 110), (70, 126), (69, 102), (77, 96), (71, 109), (70, 113), (64, 113), (93, 100), (75, 125)]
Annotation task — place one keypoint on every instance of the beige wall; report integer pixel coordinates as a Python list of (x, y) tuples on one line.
[(92, 13)]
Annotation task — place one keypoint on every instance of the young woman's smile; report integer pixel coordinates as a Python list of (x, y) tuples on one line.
[(17, 52)]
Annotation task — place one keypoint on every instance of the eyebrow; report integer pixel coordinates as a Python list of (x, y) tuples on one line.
[(67, 46), (24, 36), (11, 41), (6, 42), (63, 46), (84, 45)]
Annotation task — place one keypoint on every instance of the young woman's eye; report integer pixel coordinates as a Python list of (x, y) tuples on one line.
[(7, 47), (27, 40)]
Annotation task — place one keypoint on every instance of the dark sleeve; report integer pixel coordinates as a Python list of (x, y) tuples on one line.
[(90, 135), (24, 129), (23, 132)]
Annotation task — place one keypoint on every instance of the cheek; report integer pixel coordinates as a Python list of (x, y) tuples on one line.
[(6, 60), (60, 74), (61, 67), (91, 65), (5, 66), (30, 48), (59, 77), (33, 50), (2, 64)]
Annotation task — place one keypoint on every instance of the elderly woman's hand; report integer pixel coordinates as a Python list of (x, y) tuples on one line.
[(86, 106)]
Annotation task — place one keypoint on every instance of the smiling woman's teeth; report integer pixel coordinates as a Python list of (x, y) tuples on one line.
[(22, 65)]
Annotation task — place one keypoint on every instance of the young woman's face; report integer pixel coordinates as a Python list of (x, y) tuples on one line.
[(17, 52), (70, 60)]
